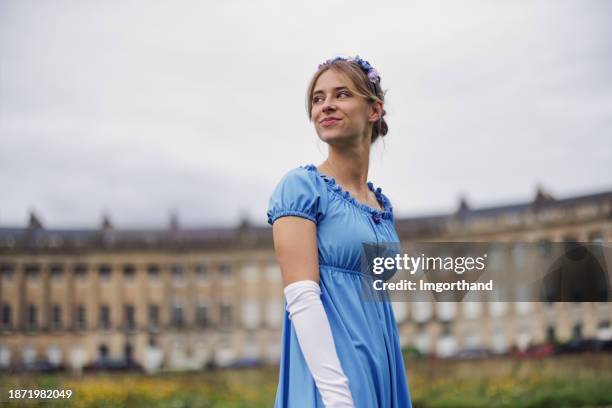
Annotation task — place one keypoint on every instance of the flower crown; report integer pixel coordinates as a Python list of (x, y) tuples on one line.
[(365, 66)]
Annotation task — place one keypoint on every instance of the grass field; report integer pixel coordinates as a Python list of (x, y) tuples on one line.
[(569, 381)]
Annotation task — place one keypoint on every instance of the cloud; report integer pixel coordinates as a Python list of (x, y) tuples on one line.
[(139, 107)]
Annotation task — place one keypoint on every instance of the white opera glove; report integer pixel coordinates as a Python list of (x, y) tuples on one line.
[(315, 338)]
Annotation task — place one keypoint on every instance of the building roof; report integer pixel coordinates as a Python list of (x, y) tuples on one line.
[(35, 237)]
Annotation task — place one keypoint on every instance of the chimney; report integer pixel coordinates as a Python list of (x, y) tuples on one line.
[(34, 222)]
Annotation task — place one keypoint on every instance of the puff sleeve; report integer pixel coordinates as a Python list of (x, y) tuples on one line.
[(300, 193)]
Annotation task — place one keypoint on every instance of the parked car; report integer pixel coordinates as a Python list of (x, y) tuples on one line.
[(537, 351), (43, 367), (472, 353), (113, 365), (585, 346), (245, 363)]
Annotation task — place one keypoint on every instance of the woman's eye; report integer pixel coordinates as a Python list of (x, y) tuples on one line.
[(340, 94)]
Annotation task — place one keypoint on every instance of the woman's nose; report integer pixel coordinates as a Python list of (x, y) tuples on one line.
[(328, 106)]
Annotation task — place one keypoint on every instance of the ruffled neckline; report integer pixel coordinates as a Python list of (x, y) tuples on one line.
[(385, 213)]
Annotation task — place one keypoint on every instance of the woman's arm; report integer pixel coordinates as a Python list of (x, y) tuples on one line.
[(295, 242)]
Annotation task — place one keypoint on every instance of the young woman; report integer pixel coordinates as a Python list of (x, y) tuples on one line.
[(338, 350)]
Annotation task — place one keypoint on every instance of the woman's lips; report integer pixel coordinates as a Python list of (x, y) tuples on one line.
[(329, 122)]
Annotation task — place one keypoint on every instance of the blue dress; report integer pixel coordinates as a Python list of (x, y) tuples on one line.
[(365, 332)]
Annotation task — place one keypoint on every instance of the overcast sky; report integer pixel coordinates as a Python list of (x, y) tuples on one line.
[(137, 108)]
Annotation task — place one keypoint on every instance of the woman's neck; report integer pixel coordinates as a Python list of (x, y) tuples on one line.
[(349, 167)]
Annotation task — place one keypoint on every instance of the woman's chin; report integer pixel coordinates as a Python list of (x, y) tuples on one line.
[(331, 137)]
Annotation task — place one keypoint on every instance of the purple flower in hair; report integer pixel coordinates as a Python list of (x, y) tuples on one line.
[(373, 75), (365, 66)]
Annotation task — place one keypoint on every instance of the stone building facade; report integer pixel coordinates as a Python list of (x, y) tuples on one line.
[(185, 298)]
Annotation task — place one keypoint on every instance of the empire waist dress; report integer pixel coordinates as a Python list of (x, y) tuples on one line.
[(364, 332)]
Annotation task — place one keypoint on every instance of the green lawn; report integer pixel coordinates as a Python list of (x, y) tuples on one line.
[(575, 381)]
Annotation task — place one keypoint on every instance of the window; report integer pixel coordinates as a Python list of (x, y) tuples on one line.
[(129, 321), (422, 311), (497, 308), (103, 352), (499, 342), (250, 272), (446, 311), (178, 320), (28, 355), (274, 312), (226, 271), (446, 329), (604, 331), (104, 317), (129, 273), (471, 338), (551, 334), (472, 310), (250, 313), (104, 272), (422, 341), (32, 317), (202, 316), (177, 273), (153, 316), (128, 353), (226, 315), (519, 254), (57, 272), (201, 271), (6, 316), (32, 272), (400, 310), (5, 357), (577, 331), (56, 317), (153, 272), (81, 317), (7, 271), (545, 247), (54, 355), (273, 272), (152, 342), (80, 272), (596, 237)]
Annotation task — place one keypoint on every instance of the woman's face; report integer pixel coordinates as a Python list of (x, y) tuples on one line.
[(339, 115)]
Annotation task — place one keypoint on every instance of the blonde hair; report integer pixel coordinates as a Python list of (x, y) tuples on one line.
[(372, 92)]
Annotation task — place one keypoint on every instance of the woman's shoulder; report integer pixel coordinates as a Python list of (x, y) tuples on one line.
[(299, 192), (304, 177)]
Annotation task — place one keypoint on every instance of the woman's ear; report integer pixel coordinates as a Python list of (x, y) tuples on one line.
[(375, 112)]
